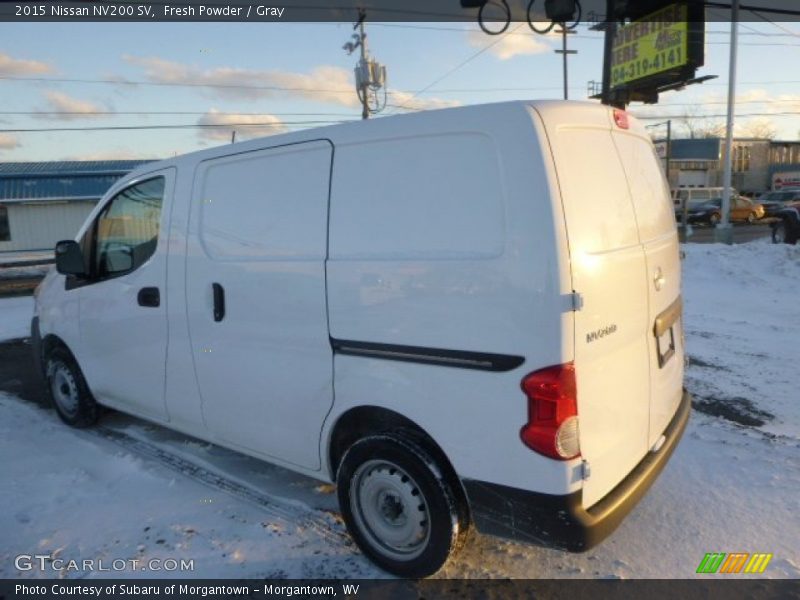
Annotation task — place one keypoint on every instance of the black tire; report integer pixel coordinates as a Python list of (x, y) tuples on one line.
[(779, 232), (398, 506), (752, 217), (68, 390), (713, 219)]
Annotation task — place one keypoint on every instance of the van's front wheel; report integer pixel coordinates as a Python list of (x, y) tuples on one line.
[(68, 390), (398, 507)]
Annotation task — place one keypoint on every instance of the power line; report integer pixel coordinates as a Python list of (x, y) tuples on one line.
[(249, 87), (238, 86), (779, 27), (98, 113), (275, 88), (180, 126), (722, 102), (319, 90), (455, 68), (716, 116)]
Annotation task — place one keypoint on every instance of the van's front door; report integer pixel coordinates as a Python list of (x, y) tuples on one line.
[(256, 299), (123, 318)]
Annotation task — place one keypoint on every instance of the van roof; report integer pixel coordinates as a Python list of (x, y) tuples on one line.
[(476, 117)]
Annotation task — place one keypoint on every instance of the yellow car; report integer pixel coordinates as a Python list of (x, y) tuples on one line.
[(744, 209), (710, 211)]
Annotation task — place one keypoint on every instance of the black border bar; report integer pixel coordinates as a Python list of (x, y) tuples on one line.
[(727, 587), (343, 11)]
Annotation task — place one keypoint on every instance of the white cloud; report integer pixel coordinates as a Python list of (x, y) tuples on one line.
[(325, 83), (15, 67), (408, 101), (510, 44), (60, 102), (8, 141), (246, 126)]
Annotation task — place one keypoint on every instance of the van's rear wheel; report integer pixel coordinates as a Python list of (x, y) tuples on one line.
[(398, 507), (68, 390)]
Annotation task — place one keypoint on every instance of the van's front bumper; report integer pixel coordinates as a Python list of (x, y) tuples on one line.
[(562, 521)]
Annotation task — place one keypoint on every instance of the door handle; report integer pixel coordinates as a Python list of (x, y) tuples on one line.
[(219, 302), (149, 296)]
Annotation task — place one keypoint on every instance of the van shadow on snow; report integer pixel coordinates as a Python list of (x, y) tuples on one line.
[(731, 408), (735, 409), (19, 375)]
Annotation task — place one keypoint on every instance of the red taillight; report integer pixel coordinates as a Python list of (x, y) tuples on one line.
[(621, 118), (552, 427)]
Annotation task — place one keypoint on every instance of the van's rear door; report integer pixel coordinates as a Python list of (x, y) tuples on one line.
[(657, 235), (609, 271)]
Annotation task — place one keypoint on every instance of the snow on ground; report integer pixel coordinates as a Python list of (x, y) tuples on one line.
[(75, 495), (733, 484), (15, 317)]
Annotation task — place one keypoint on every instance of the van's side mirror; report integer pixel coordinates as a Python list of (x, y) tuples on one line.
[(69, 258)]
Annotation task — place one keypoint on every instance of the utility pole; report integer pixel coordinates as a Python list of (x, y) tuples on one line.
[(610, 32), (668, 158), (723, 232), (564, 52), (370, 75), (363, 61)]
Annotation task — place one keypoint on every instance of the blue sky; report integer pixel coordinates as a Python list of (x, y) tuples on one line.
[(308, 58)]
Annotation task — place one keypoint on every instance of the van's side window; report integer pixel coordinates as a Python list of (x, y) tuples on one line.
[(126, 231)]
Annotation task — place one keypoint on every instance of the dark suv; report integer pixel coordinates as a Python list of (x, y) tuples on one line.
[(775, 201)]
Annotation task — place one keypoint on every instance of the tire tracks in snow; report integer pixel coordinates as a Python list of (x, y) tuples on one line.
[(319, 522)]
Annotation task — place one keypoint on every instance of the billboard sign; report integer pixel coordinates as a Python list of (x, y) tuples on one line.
[(662, 48)]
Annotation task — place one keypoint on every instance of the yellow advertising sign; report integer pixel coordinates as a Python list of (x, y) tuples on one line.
[(651, 45)]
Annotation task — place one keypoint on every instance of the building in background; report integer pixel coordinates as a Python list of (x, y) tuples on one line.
[(758, 164), (42, 203)]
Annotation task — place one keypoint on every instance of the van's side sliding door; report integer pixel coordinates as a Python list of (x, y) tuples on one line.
[(255, 288)]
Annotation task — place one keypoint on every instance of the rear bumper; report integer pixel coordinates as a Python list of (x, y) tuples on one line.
[(562, 521)]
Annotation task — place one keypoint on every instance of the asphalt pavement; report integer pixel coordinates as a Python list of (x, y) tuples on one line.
[(703, 234)]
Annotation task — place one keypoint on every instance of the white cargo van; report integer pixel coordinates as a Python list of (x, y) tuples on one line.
[(462, 317)]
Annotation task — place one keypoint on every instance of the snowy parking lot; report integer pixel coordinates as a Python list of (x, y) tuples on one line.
[(134, 491)]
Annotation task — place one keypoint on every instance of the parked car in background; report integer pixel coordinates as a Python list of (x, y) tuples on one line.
[(786, 227), (709, 212), (776, 201), (696, 195)]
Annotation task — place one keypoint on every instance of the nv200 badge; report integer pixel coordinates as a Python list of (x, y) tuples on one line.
[(593, 336)]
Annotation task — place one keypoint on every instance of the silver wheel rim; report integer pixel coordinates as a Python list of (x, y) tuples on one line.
[(64, 388), (390, 510), (778, 235)]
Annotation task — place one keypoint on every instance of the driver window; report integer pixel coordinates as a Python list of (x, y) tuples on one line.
[(126, 231)]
